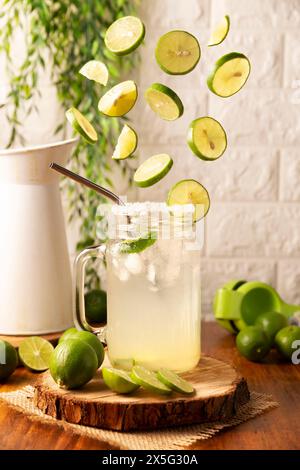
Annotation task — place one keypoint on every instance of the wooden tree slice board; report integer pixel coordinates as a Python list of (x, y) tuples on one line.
[(219, 392)]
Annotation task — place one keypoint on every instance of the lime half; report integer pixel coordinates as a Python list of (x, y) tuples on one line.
[(124, 35), (229, 75), (81, 125), (153, 170), (190, 192), (173, 381), (118, 380), (95, 70), (220, 32), (119, 99), (127, 143), (136, 245), (147, 379), (207, 138), (35, 353), (164, 102), (177, 52)]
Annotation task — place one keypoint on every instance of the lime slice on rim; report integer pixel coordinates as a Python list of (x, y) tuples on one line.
[(164, 102), (127, 143), (35, 353), (229, 75), (190, 192), (207, 138), (124, 35), (81, 125), (153, 170), (119, 99), (95, 70), (147, 379), (220, 32), (136, 245), (177, 52), (118, 380), (174, 382)]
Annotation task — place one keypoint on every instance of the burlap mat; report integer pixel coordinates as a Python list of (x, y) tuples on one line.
[(167, 439)]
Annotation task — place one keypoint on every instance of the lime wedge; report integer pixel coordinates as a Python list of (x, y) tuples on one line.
[(118, 380), (207, 138), (153, 170), (35, 353), (127, 143), (95, 70), (164, 102), (174, 382), (220, 32), (147, 379), (136, 245), (119, 99), (229, 75), (81, 125), (177, 52), (124, 35), (190, 192)]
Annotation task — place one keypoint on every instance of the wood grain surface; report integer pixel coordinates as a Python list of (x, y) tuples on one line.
[(219, 392), (276, 429)]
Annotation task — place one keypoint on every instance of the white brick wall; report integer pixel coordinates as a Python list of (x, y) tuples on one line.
[(253, 229)]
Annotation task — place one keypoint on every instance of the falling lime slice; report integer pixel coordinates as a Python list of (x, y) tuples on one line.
[(153, 170), (207, 138), (124, 35), (190, 192), (118, 380), (229, 75), (119, 99), (35, 353), (82, 125), (136, 245), (177, 52), (174, 382), (95, 70), (164, 102), (127, 144), (147, 379), (220, 32)]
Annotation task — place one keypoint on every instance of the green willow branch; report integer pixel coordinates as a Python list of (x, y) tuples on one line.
[(61, 36)]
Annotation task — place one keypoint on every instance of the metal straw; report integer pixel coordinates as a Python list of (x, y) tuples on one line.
[(89, 184)]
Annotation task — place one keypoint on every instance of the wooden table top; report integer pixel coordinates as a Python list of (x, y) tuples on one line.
[(276, 429)]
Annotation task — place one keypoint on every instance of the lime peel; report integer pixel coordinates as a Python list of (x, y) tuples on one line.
[(164, 102), (153, 170), (119, 380), (148, 379), (220, 33), (174, 381), (124, 35)]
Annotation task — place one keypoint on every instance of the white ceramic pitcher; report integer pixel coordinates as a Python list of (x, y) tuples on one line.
[(35, 277)]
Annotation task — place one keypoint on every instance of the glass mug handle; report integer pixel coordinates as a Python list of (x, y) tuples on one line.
[(79, 284)]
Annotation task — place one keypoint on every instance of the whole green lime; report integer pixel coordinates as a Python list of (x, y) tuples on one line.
[(253, 343), (8, 359), (67, 334), (96, 306), (271, 323), (285, 338), (73, 363), (90, 339)]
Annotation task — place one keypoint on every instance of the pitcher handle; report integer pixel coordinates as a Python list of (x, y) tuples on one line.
[(79, 284)]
